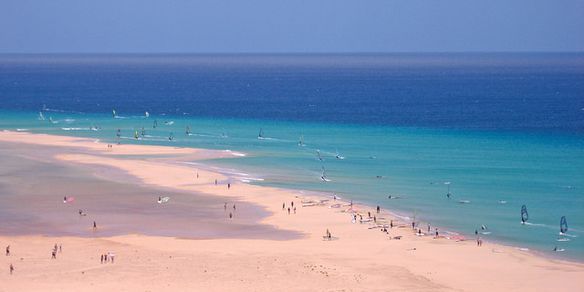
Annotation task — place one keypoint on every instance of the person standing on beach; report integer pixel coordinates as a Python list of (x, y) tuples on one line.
[(294, 210), (228, 186), (102, 258), (230, 215), (283, 206), (233, 207), (54, 255), (8, 250), (11, 269), (94, 226), (215, 181), (436, 232), (288, 210), (292, 204), (225, 206)]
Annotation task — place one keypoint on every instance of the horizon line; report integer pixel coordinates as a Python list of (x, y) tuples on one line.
[(293, 53)]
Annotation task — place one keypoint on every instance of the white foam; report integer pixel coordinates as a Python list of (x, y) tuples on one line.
[(73, 129)]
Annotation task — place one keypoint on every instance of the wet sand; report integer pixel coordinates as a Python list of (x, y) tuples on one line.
[(33, 184), (359, 258)]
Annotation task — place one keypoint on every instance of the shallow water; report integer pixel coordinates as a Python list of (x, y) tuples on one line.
[(33, 185)]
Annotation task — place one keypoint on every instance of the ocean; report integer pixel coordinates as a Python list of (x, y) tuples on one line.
[(497, 131)]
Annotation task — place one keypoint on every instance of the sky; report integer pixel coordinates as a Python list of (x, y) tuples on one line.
[(293, 26)]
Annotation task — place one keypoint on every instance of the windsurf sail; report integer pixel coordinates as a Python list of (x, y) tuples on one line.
[(323, 175), (143, 133), (155, 124), (318, 155), (171, 136), (524, 214), (114, 113), (188, 130), (301, 140), (261, 134), (147, 114), (136, 135), (563, 225), (41, 116)]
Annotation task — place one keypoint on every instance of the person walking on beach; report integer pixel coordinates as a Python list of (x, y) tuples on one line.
[(54, 255), (292, 204), (228, 186), (378, 209), (429, 229), (234, 207), (94, 226), (436, 232), (294, 210), (8, 250), (283, 206), (390, 223), (102, 258), (11, 269), (288, 210), (230, 215)]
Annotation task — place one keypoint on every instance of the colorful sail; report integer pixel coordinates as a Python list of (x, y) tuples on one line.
[(524, 214), (563, 225)]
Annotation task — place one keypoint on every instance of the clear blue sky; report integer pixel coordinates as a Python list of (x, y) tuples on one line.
[(244, 26)]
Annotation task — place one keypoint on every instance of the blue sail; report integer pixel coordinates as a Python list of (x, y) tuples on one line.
[(524, 214), (563, 225)]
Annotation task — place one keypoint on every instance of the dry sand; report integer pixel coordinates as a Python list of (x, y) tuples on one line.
[(358, 259)]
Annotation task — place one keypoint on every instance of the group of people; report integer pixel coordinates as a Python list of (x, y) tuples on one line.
[(108, 257), (230, 213), (291, 208), (55, 249), (7, 254)]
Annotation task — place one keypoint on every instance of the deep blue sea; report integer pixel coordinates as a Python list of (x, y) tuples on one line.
[(499, 130)]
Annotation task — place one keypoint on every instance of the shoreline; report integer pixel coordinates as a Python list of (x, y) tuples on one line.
[(312, 224)]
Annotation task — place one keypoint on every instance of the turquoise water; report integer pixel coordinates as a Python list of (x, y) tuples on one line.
[(542, 171)]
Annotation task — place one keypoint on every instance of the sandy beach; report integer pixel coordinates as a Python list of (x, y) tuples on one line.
[(192, 244)]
